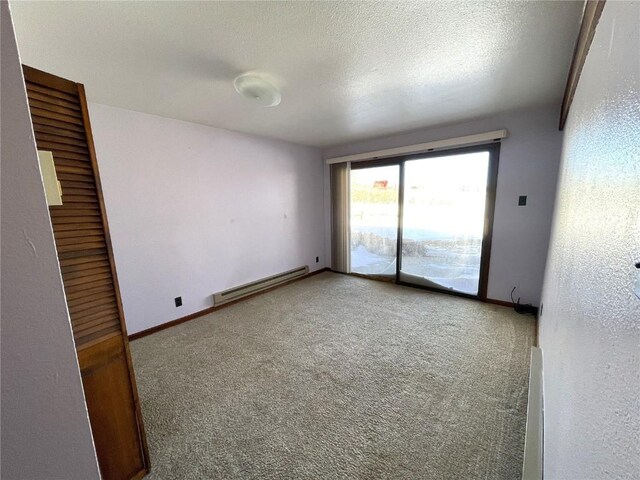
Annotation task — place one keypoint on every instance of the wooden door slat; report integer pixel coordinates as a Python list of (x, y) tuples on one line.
[(60, 125), (79, 233), (95, 314), (81, 247), (75, 282), (66, 184), (58, 132), (104, 315), (88, 258), (75, 178), (43, 137), (82, 157), (53, 108), (78, 271), (97, 302), (83, 267), (89, 219), (70, 198), (71, 191), (84, 342), (83, 261), (89, 214), (87, 272), (88, 289), (73, 162), (62, 117), (101, 309), (70, 97), (63, 147), (50, 99), (77, 204), (91, 298), (76, 227), (78, 170), (84, 282), (63, 210), (84, 253), (89, 328), (84, 317)]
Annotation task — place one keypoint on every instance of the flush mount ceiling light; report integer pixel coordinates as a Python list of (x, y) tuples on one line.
[(256, 87)]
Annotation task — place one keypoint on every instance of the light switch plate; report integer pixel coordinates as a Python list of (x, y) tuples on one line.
[(52, 188)]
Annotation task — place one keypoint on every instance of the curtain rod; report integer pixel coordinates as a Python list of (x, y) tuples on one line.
[(479, 138)]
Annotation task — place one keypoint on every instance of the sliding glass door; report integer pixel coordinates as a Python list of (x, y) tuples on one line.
[(443, 221), (426, 220), (374, 220)]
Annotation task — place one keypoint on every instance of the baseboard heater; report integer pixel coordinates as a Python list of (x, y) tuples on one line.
[(258, 286), (532, 466)]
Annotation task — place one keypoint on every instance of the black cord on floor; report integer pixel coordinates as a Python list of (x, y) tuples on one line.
[(522, 309)]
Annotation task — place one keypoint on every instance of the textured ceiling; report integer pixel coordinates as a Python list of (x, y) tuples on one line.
[(347, 70)]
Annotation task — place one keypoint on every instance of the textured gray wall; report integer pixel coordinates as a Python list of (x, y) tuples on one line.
[(590, 327), (45, 429)]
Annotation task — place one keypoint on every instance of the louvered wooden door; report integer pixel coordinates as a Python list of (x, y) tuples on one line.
[(61, 124)]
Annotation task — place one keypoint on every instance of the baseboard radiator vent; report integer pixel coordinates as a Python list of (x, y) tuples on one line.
[(534, 437), (258, 286)]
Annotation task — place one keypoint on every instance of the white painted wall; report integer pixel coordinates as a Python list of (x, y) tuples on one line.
[(194, 210), (45, 427), (590, 324), (529, 161)]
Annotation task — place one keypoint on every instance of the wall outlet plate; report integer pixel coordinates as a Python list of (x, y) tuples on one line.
[(178, 301)]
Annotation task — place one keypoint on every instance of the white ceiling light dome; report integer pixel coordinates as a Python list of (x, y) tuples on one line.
[(257, 87)]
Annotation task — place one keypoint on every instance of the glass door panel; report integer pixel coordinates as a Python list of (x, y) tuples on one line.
[(443, 221), (374, 220)]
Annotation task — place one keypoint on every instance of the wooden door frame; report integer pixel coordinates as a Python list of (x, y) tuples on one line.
[(489, 214), (107, 234)]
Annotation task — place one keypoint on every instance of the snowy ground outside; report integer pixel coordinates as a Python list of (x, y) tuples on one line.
[(449, 261)]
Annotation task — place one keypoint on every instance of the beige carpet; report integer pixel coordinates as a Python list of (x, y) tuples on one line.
[(338, 377)]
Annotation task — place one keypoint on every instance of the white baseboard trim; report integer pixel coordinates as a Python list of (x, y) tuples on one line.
[(532, 466)]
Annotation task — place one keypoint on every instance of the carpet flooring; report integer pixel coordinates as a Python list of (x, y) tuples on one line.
[(336, 377)]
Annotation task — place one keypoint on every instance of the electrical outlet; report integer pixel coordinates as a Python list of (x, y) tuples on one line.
[(522, 200), (317, 259), (178, 301)]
